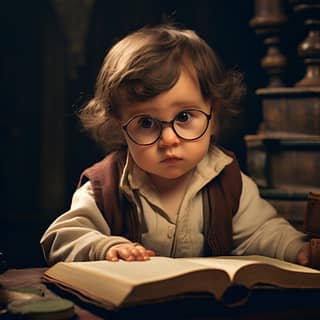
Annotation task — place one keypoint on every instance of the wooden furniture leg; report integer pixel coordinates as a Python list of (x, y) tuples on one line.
[(312, 228)]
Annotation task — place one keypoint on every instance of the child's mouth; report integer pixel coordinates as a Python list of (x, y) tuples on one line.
[(171, 160)]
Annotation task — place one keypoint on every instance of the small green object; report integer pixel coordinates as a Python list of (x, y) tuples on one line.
[(43, 308), (28, 290)]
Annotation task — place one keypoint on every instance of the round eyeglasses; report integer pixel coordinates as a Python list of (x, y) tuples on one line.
[(190, 124)]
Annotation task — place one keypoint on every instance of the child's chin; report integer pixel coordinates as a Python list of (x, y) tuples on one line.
[(172, 175)]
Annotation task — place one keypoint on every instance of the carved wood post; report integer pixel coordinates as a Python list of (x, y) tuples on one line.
[(284, 156), (312, 227), (268, 22), (309, 48)]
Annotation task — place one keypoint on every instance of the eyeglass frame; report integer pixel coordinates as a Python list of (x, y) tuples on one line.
[(171, 123)]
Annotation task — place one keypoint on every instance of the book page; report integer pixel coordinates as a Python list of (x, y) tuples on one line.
[(111, 283), (229, 264), (278, 263), (136, 272), (118, 283), (232, 264)]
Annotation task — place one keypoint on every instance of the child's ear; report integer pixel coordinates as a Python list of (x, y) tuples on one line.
[(115, 133), (213, 133), (213, 120), (214, 123), (120, 130), (213, 128)]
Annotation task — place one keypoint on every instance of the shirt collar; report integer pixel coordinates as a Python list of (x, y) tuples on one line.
[(133, 178)]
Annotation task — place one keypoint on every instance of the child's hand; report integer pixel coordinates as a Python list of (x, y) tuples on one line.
[(129, 252), (303, 256)]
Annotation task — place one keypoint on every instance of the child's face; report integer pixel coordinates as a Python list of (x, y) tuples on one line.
[(170, 157)]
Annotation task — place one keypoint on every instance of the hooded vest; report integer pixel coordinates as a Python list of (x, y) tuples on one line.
[(221, 199)]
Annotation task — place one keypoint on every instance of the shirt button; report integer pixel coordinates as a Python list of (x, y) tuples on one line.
[(170, 232)]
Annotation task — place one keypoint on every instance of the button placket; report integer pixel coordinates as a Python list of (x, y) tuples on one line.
[(170, 232)]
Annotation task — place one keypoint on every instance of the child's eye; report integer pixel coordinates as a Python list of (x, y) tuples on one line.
[(183, 116), (146, 122)]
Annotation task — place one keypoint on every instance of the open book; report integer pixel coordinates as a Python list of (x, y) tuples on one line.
[(112, 285)]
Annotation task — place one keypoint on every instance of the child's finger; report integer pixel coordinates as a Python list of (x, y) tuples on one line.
[(134, 253), (150, 253), (303, 256), (141, 254), (112, 254), (129, 252), (126, 254), (144, 254)]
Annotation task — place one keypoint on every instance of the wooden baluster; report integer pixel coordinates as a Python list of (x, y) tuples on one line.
[(268, 22), (312, 228), (309, 48)]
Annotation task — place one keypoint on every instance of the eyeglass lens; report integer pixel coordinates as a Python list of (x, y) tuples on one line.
[(188, 124)]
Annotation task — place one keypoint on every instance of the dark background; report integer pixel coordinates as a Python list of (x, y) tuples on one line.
[(51, 52)]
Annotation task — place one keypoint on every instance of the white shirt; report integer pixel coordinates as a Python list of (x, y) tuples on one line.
[(83, 234)]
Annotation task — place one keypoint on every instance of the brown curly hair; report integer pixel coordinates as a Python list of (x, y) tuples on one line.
[(146, 63)]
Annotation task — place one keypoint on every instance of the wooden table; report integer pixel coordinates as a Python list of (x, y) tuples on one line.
[(264, 303)]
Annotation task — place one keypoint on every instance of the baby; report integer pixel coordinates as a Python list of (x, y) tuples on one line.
[(167, 188)]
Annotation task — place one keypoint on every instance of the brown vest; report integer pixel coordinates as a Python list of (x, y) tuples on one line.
[(221, 202)]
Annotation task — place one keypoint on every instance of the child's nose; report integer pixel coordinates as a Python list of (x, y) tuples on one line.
[(168, 137)]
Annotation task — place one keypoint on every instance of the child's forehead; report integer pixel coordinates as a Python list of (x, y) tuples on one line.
[(144, 89), (185, 94)]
